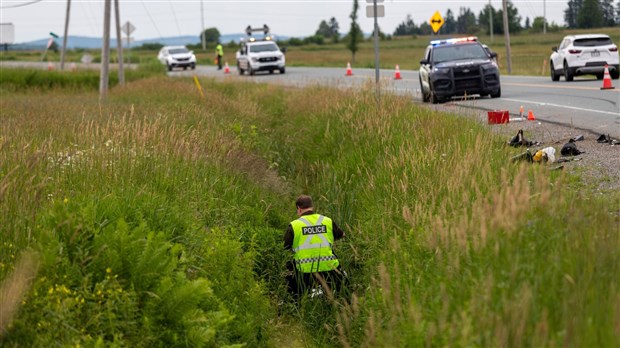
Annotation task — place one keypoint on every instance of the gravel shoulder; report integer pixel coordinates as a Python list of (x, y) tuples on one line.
[(598, 165)]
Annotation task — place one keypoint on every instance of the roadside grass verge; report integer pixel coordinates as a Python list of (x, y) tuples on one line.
[(157, 220)]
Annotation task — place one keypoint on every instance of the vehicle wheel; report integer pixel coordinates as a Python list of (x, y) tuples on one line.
[(614, 74), (554, 76), (193, 66), (271, 71), (185, 67), (498, 93), (169, 67), (239, 70), (568, 73), (426, 97), (250, 70), (282, 70)]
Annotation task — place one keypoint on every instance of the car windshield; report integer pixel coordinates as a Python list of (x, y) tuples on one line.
[(268, 47), (591, 42), (446, 53), (178, 50)]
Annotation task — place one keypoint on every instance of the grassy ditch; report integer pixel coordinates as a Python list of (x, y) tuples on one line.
[(157, 219)]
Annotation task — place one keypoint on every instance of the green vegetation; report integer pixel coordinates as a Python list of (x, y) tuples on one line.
[(157, 220), (530, 52)]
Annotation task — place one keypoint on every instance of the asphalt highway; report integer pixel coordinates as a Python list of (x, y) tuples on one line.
[(580, 104)]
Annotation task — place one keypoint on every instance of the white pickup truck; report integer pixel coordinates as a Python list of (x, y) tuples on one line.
[(260, 55)]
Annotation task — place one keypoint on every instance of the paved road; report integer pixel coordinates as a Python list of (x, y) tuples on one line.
[(581, 103)]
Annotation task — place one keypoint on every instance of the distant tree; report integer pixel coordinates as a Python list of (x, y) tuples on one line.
[(212, 35), (334, 29), (381, 34), (537, 26), (407, 27), (151, 46), (425, 29), (329, 30), (527, 23), (609, 16), (315, 39), (449, 23), (590, 15), (466, 21), (355, 33), (295, 41), (571, 12), (323, 29), (514, 20), (485, 16)]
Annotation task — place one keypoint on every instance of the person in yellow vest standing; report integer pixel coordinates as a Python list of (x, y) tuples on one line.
[(219, 53), (311, 237)]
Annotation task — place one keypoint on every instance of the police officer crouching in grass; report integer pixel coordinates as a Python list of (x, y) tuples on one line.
[(310, 238)]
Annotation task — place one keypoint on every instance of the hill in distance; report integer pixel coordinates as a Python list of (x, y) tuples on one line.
[(74, 42)]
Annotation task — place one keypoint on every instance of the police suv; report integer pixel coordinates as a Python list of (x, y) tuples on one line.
[(458, 67), (260, 54)]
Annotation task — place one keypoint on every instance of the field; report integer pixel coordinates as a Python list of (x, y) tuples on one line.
[(156, 219), (530, 52)]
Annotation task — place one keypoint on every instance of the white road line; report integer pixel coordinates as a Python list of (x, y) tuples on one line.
[(562, 106)]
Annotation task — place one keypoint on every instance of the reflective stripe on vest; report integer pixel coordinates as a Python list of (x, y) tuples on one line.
[(308, 242), (317, 259)]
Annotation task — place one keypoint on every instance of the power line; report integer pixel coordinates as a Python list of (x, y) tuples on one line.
[(21, 5), (176, 21), (151, 18)]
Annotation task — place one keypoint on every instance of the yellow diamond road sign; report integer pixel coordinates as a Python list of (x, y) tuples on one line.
[(436, 21)]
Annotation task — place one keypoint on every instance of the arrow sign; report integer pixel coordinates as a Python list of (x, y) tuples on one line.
[(436, 21)]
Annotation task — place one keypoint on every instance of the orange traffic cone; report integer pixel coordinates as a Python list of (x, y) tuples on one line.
[(50, 66), (226, 68), (530, 116), (349, 71), (397, 73), (607, 80)]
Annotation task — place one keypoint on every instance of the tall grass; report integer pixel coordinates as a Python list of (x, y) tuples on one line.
[(158, 220)]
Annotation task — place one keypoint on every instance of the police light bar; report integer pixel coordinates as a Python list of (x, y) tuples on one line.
[(249, 30), (454, 40)]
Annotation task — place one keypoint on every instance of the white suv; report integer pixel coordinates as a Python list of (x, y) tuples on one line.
[(583, 55), (177, 56), (262, 55)]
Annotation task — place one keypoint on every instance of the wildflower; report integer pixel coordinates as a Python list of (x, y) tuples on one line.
[(108, 270), (66, 200), (51, 290)]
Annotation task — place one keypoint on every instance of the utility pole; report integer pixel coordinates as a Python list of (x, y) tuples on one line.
[(202, 27), (376, 38), (119, 45), (491, 20), (544, 17), (64, 39), (105, 52), (507, 37)]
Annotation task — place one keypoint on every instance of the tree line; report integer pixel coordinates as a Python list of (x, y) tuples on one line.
[(579, 14)]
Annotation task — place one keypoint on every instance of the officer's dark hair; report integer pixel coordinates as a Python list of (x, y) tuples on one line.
[(304, 202)]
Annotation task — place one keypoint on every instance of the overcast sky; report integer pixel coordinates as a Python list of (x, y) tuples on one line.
[(34, 19)]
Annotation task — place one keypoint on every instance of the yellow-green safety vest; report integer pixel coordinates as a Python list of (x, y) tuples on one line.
[(219, 50), (312, 244)]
